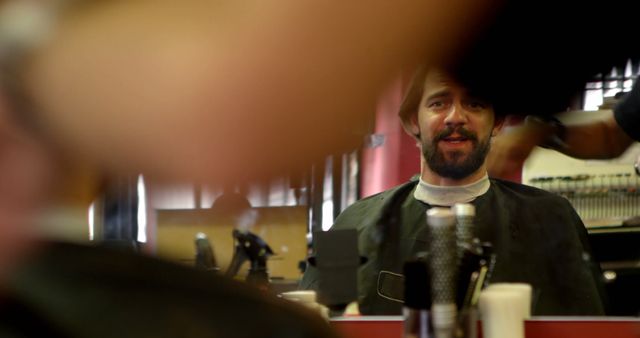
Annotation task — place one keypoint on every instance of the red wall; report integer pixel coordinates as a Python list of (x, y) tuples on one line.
[(398, 158)]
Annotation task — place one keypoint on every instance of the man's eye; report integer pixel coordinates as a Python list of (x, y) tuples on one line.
[(476, 105), (436, 105)]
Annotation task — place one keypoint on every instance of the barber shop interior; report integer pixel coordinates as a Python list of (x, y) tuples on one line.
[(210, 169)]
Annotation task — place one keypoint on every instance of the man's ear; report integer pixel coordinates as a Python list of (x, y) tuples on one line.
[(411, 125), (498, 124)]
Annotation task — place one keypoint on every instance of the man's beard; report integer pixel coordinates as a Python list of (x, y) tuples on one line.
[(455, 167)]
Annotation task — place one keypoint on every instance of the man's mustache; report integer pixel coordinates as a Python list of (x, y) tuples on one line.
[(448, 131)]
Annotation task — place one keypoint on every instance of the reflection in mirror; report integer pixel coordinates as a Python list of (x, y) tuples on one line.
[(537, 236)]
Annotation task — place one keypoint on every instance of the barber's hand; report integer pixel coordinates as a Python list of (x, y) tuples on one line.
[(510, 148)]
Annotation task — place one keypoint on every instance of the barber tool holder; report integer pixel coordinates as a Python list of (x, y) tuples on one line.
[(475, 270)]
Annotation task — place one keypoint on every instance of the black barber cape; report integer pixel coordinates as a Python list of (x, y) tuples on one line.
[(537, 236), (68, 290)]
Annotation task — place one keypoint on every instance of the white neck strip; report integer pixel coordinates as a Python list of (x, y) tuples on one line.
[(450, 195)]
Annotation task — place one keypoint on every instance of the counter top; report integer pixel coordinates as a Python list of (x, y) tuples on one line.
[(537, 327)]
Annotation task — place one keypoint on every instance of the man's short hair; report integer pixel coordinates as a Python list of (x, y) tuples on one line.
[(411, 102)]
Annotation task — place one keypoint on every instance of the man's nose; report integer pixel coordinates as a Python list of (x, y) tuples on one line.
[(456, 115)]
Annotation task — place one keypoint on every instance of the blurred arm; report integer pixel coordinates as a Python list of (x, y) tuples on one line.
[(598, 140), (602, 139)]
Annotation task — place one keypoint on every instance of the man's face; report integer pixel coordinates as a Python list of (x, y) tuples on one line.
[(455, 127)]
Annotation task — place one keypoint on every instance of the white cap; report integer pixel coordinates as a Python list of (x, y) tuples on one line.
[(302, 296), (523, 289), (440, 217), (464, 209), (501, 313)]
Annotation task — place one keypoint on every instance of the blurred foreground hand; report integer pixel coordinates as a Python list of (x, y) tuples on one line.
[(218, 90)]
